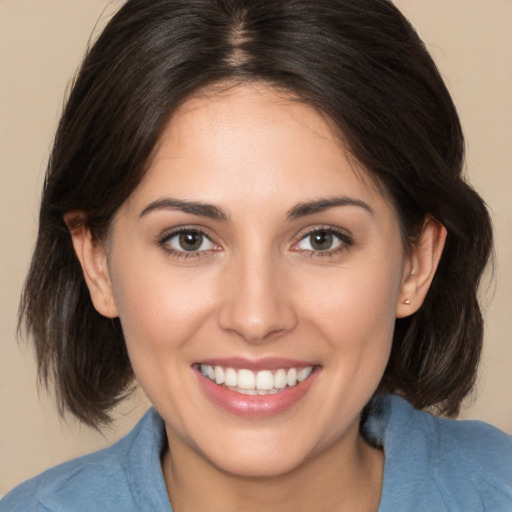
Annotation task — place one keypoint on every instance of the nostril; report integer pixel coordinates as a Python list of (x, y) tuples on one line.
[(256, 329)]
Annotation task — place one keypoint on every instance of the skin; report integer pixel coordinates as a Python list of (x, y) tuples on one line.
[(257, 288)]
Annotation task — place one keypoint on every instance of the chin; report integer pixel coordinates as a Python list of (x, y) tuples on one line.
[(263, 454), (259, 466)]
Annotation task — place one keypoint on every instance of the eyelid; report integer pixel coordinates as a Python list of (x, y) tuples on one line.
[(342, 234), (163, 239)]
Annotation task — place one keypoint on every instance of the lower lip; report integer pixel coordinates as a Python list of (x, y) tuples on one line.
[(255, 406)]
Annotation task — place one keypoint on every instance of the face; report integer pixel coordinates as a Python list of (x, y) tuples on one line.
[(256, 274)]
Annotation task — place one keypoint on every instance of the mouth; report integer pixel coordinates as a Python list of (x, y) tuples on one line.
[(256, 389), (263, 382)]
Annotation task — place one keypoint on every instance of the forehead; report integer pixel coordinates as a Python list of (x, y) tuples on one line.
[(223, 140)]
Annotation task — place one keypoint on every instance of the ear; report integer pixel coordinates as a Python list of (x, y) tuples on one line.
[(93, 260), (421, 267)]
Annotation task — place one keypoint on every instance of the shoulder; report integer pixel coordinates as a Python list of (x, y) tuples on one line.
[(474, 458), (58, 485), (101, 478), (465, 465)]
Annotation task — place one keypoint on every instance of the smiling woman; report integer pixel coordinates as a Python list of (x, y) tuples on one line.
[(256, 283), (256, 210)]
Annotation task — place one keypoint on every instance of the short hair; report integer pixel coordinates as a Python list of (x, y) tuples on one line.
[(358, 62)]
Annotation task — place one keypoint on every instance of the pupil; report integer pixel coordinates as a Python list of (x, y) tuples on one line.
[(191, 241), (321, 241)]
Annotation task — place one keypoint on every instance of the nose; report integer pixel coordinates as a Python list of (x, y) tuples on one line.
[(257, 305)]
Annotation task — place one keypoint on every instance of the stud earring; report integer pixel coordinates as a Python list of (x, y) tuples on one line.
[(407, 301)]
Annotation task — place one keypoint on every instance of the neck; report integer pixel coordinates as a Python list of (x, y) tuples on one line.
[(343, 477)]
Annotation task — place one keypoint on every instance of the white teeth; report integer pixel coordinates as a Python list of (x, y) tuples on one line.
[(230, 377), (248, 391), (292, 377), (280, 379), (263, 382), (304, 373), (246, 379), (219, 375)]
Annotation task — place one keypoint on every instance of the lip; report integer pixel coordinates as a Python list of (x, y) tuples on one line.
[(255, 406), (257, 364)]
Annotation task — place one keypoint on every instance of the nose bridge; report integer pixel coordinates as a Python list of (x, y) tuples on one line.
[(256, 304)]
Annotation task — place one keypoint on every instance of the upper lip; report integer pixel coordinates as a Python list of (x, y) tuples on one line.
[(265, 363)]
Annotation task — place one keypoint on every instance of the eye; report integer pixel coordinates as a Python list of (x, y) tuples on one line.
[(187, 241), (323, 240)]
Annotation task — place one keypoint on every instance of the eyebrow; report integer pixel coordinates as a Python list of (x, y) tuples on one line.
[(193, 207), (214, 212), (320, 205)]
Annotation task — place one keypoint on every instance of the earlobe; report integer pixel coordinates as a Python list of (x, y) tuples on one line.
[(424, 259), (93, 260)]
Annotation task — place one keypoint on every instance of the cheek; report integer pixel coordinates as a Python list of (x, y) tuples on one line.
[(159, 315), (158, 308), (356, 309)]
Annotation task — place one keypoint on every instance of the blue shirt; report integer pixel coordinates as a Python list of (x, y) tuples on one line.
[(432, 465)]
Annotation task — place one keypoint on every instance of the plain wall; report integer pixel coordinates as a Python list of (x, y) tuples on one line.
[(41, 45)]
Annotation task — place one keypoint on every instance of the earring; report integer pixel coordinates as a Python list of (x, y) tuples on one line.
[(407, 301)]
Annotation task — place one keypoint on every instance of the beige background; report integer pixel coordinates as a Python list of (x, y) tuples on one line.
[(41, 44)]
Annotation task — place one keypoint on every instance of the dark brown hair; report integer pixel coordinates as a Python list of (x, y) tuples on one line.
[(357, 61)]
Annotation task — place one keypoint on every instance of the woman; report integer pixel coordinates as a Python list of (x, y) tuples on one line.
[(256, 209)]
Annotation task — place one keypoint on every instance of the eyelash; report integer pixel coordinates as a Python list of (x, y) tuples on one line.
[(344, 239), (164, 240), (345, 242)]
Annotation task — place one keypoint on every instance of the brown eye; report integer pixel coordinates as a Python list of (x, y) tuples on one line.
[(328, 241), (187, 241), (321, 241), (190, 241)]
